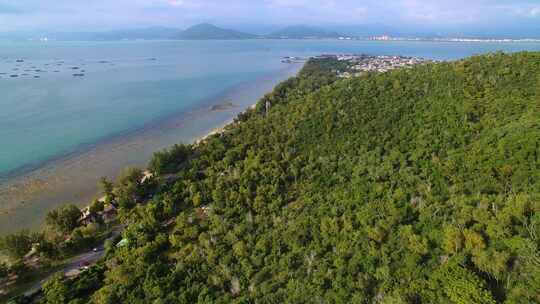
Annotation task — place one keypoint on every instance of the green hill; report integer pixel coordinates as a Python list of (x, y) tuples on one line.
[(412, 186), (207, 31)]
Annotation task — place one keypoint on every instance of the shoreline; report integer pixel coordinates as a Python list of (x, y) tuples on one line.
[(203, 106), (72, 177)]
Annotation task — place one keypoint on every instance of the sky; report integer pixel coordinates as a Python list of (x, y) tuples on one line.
[(259, 15)]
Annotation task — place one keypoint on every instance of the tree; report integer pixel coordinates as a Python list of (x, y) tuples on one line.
[(96, 207), (129, 190), (169, 160), (4, 270), (48, 248), (56, 290), (64, 219), (458, 285), (108, 188), (77, 241), (18, 244), (453, 240)]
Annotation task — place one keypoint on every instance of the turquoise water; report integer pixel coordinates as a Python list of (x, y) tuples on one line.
[(127, 85)]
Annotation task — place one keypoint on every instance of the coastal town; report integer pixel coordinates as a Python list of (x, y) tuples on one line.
[(358, 64), (355, 65), (387, 38)]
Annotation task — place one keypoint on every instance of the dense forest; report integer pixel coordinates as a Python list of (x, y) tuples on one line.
[(417, 185)]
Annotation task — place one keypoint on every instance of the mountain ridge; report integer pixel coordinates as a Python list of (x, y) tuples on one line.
[(207, 31), (303, 32)]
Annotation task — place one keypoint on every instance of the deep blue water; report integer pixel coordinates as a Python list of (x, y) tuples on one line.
[(126, 85)]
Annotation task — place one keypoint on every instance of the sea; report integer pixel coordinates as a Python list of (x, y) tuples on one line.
[(71, 112)]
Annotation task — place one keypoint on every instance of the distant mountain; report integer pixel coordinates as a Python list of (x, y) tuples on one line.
[(366, 30), (303, 32), (143, 33), (207, 31), (150, 33)]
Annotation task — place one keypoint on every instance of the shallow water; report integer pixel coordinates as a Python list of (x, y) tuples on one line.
[(73, 178), (125, 85), (59, 133)]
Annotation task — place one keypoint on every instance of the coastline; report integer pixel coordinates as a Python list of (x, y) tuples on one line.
[(25, 198)]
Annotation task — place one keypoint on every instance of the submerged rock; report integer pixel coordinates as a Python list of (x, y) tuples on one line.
[(222, 107)]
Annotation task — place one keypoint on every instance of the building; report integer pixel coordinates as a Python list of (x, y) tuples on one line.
[(109, 213)]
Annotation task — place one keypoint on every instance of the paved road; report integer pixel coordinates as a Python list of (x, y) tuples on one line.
[(78, 262), (85, 259), (74, 264)]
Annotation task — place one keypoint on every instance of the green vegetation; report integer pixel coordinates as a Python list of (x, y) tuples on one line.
[(412, 186), (58, 290), (18, 244), (69, 232), (64, 219), (4, 270), (108, 189), (96, 207), (131, 190), (71, 235), (170, 160)]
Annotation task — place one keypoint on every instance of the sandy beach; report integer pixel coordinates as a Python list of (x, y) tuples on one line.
[(73, 178)]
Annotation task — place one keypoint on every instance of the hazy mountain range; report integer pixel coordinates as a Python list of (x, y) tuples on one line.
[(206, 31), (303, 32), (203, 31)]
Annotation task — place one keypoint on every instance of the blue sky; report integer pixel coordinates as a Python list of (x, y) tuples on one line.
[(437, 15)]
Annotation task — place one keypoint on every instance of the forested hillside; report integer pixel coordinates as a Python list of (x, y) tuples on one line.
[(413, 186)]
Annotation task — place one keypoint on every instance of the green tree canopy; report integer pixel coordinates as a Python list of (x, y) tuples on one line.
[(17, 245), (417, 185), (64, 219)]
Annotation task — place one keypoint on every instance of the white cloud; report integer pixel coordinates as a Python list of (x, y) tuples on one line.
[(534, 12), (181, 13)]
